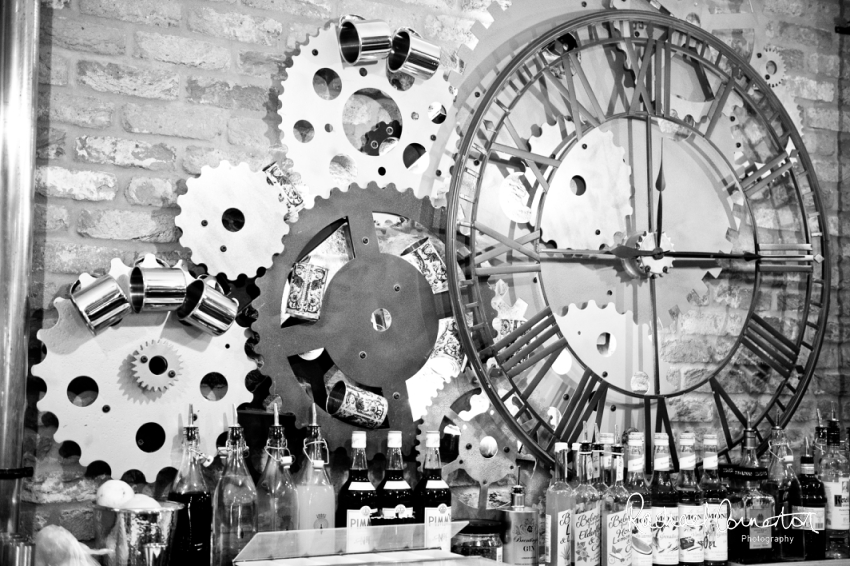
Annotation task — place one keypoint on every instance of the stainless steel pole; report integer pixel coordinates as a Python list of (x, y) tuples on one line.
[(18, 60)]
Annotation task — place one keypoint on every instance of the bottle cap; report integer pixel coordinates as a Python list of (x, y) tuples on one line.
[(576, 446), (318, 464), (709, 439), (518, 496), (686, 439), (358, 439), (561, 446), (432, 439), (394, 439), (617, 448), (584, 448), (660, 437), (286, 460), (606, 437)]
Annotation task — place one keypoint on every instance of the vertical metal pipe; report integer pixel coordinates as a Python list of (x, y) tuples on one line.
[(18, 60)]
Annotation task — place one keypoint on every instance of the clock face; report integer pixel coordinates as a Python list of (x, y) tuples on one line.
[(648, 220)]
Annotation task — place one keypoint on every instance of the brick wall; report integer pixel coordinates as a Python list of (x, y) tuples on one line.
[(137, 95)]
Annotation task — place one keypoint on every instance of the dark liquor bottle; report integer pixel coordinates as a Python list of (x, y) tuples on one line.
[(716, 505), (194, 522), (750, 542), (778, 485), (358, 499), (433, 497), (665, 505), (394, 494), (808, 503), (691, 505), (834, 475), (640, 513)]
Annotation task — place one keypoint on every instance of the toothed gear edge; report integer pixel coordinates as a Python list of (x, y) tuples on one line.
[(312, 159), (145, 376), (762, 63), (209, 196), (110, 435)]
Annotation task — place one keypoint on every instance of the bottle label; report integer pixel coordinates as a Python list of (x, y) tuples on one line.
[(837, 505), (807, 469), (760, 531), (521, 544), (618, 538), (397, 484), (789, 457), (438, 527), (605, 461), (688, 462), (499, 556), (716, 532), (618, 470), (661, 463), (586, 543), (665, 526), (546, 537), (808, 518), (691, 533), (709, 462), (635, 464), (560, 539), (435, 484), (397, 512), (361, 486), (357, 523), (641, 525)]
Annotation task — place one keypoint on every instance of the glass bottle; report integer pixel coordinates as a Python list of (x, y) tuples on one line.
[(596, 449), (603, 480), (277, 500), (394, 494), (716, 505), (665, 504), (585, 517), (750, 542), (616, 530), (433, 497), (235, 511), (191, 543), (316, 499), (820, 442), (559, 505), (835, 478), (358, 499), (691, 505), (778, 485), (640, 500), (808, 502), (572, 471), (314, 448)]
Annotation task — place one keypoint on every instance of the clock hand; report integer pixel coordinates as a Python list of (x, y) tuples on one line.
[(626, 252), (620, 252), (660, 185)]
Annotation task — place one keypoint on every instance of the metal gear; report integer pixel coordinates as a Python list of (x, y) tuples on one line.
[(593, 177), (770, 64), (789, 101), (232, 220), (382, 137), (128, 426), (375, 278), (487, 451), (156, 364), (327, 159), (650, 265)]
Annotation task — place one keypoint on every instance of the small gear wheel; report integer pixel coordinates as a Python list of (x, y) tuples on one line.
[(770, 64), (156, 364), (650, 265), (320, 91), (382, 138), (232, 219)]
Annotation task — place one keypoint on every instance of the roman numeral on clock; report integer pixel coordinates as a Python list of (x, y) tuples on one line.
[(770, 345), (662, 424), (721, 401), (761, 178), (786, 258), (588, 397), (525, 346)]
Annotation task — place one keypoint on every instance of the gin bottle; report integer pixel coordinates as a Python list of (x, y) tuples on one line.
[(716, 505), (665, 505), (585, 526), (640, 512), (277, 501), (616, 530), (559, 505), (778, 485), (358, 499), (235, 510), (691, 505)]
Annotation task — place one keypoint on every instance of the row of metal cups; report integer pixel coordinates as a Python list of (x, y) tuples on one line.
[(16, 550), (364, 41), (198, 302)]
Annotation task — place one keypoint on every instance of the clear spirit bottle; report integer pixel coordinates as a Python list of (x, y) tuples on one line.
[(640, 500), (235, 502), (433, 497), (586, 535), (691, 505), (751, 541), (616, 529), (277, 501), (716, 505), (358, 499), (835, 478), (394, 493), (603, 479), (778, 485), (808, 503), (559, 505), (665, 504)]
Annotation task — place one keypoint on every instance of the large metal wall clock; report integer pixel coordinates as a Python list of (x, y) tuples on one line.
[(649, 220)]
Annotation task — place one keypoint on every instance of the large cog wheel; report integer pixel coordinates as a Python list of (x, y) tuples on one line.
[(232, 220), (326, 159), (156, 364), (126, 425), (375, 278)]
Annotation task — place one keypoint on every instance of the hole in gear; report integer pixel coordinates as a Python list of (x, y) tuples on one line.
[(150, 437), (577, 185), (82, 391), (303, 131), (488, 447), (606, 344), (233, 220), (158, 365), (412, 153), (364, 111), (213, 386), (327, 84), (381, 320)]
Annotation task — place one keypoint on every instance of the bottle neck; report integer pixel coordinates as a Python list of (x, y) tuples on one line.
[(189, 477), (635, 468), (585, 467), (432, 461), (395, 464), (617, 469), (710, 475), (559, 469), (661, 460), (236, 451), (358, 463)]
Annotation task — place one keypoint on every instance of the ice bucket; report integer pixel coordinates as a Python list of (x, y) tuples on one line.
[(135, 537)]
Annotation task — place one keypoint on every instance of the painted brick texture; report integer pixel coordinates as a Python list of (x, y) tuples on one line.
[(136, 96)]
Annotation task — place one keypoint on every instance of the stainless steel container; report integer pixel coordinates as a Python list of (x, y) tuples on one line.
[(519, 536), (136, 537), (101, 304), (412, 54), (157, 288), (363, 41), (207, 308)]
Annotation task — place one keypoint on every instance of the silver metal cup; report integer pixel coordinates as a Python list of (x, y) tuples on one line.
[(357, 406), (207, 308), (157, 288), (413, 55), (136, 537), (103, 303), (363, 41)]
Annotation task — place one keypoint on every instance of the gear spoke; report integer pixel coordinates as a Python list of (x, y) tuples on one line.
[(361, 227), (302, 338)]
